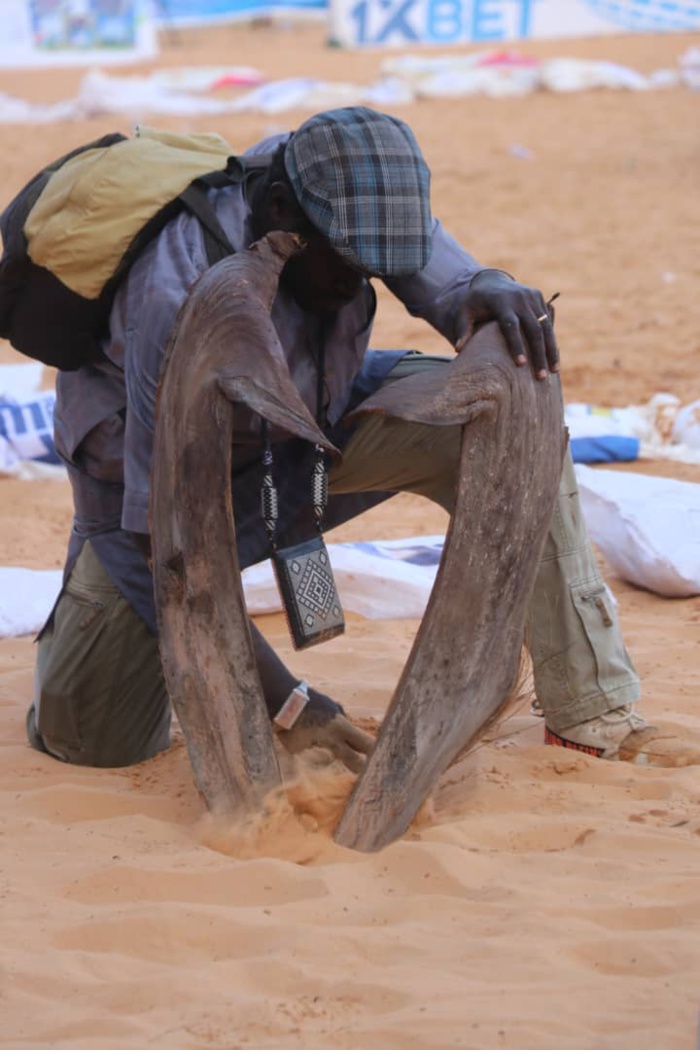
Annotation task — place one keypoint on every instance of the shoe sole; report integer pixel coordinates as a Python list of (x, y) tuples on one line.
[(550, 737)]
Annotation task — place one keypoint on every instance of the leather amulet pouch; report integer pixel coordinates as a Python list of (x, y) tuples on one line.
[(307, 588)]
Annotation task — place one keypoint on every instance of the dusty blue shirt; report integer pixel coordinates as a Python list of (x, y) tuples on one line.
[(104, 415)]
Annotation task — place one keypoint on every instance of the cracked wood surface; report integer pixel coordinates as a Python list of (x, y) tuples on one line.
[(224, 349), (465, 656)]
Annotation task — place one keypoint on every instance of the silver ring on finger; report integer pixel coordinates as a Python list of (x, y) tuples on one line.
[(544, 317)]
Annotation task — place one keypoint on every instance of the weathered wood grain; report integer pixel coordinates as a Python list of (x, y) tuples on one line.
[(465, 657), (224, 350), (466, 654)]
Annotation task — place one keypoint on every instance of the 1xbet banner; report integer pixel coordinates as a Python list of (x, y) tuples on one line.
[(386, 23)]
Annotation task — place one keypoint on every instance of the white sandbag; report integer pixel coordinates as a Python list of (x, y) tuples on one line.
[(652, 422), (26, 599), (21, 380), (26, 421), (575, 74), (648, 528), (686, 427), (19, 111), (664, 429), (26, 429)]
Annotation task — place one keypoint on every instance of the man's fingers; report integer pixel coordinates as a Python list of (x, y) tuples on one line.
[(508, 323), (550, 343), (350, 759), (535, 335), (531, 338), (550, 340), (466, 331), (351, 744), (357, 738), (338, 735)]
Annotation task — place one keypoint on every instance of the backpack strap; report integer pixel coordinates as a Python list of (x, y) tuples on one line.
[(196, 199), (216, 243)]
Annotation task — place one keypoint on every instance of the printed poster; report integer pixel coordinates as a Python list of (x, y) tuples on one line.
[(74, 32)]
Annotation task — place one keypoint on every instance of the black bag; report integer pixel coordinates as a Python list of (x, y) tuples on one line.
[(308, 592), (303, 571), (31, 297), (40, 314)]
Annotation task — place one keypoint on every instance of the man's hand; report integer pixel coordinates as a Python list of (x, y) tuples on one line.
[(322, 723), (524, 318)]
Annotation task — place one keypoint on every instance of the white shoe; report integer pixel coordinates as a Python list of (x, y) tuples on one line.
[(605, 735)]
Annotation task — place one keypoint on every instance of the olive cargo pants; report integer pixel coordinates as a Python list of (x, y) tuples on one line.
[(99, 696)]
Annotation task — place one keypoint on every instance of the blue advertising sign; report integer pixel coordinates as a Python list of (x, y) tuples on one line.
[(198, 12), (383, 23)]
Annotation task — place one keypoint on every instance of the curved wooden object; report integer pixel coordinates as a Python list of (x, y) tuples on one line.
[(465, 657), (224, 349)]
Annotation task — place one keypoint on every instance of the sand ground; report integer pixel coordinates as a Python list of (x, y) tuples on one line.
[(551, 902)]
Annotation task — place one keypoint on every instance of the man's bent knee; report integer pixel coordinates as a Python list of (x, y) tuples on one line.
[(99, 693), (101, 751)]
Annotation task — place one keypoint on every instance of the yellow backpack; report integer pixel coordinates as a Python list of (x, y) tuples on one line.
[(72, 233)]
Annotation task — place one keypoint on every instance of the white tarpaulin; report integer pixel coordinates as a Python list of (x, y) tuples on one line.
[(648, 528), (74, 32), (389, 579), (403, 78)]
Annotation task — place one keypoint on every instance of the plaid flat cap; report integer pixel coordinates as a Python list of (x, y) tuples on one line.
[(361, 180)]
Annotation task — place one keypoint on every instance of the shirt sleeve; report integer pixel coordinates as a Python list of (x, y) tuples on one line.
[(142, 319), (435, 294)]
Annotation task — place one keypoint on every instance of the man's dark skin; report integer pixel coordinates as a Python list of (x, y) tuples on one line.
[(322, 282)]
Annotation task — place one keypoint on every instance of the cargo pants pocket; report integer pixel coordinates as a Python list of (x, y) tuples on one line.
[(99, 695), (596, 610)]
